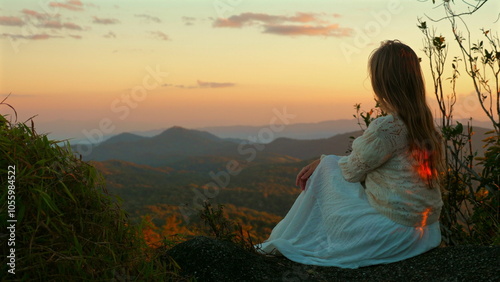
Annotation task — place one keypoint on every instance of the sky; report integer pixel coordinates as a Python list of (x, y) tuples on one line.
[(106, 67)]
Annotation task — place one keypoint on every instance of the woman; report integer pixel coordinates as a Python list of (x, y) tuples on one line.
[(380, 204)]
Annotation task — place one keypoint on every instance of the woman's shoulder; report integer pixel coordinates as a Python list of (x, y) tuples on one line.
[(390, 124), (389, 120)]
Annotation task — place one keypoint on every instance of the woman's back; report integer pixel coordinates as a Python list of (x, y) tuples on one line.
[(393, 179)]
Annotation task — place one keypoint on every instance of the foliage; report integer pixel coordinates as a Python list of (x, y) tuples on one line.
[(224, 229), (471, 213), (257, 198), (367, 116), (364, 118), (471, 183), (68, 227)]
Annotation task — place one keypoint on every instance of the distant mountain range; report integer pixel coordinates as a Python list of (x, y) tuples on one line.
[(306, 131), (303, 131), (183, 148)]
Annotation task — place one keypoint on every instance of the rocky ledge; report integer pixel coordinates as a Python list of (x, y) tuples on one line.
[(207, 259)]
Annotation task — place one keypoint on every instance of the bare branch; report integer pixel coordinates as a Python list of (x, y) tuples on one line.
[(447, 3)]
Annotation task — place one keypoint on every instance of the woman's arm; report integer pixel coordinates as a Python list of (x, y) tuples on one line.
[(369, 151), (305, 173)]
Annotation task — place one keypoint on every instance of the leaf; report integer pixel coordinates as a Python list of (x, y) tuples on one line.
[(458, 129), (67, 191)]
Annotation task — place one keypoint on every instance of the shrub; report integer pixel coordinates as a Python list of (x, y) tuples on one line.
[(68, 227)]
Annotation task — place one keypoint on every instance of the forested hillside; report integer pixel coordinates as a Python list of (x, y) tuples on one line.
[(258, 197), (190, 166)]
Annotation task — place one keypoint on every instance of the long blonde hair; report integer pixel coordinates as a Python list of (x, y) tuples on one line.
[(398, 84)]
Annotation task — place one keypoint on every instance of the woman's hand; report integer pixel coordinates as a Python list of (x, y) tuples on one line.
[(305, 173)]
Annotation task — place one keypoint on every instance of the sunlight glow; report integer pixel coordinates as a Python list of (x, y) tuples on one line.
[(424, 167), (423, 223)]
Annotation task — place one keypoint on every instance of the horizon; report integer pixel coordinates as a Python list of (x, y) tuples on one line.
[(125, 66), (244, 132)]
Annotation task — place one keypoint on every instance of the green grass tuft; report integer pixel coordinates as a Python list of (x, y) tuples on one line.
[(68, 227)]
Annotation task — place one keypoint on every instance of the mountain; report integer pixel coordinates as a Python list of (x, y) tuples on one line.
[(124, 137), (191, 149), (171, 145), (180, 134), (307, 149), (306, 131), (188, 148)]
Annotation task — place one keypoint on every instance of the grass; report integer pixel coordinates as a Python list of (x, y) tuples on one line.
[(222, 228), (68, 227)]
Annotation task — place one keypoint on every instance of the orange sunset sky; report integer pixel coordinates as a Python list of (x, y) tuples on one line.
[(144, 65)]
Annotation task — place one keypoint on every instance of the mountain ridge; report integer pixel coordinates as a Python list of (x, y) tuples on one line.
[(176, 144), (123, 137), (306, 131)]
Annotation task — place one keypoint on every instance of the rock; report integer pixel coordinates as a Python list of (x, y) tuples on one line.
[(213, 260), (207, 259)]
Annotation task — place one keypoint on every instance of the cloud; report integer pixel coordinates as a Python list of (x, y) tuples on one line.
[(149, 18), (98, 20), (308, 30), (75, 2), (58, 25), (243, 19), (160, 35), (30, 37), (179, 86), (300, 24), (11, 21), (35, 14), (75, 36), (73, 5), (42, 36), (109, 35), (202, 84), (72, 26)]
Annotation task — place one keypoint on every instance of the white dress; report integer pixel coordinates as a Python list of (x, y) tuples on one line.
[(332, 223)]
